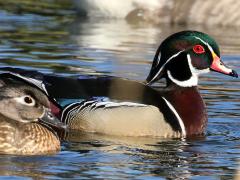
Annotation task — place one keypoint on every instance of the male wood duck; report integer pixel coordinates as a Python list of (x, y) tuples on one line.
[(25, 119), (123, 107)]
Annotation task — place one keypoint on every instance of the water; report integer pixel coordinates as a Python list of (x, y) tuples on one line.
[(57, 41)]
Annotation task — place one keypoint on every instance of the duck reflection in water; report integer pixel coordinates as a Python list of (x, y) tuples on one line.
[(164, 155)]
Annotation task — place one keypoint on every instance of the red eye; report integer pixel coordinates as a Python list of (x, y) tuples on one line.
[(198, 49)]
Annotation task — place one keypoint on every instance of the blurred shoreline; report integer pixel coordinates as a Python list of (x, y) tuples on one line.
[(214, 12), (185, 12)]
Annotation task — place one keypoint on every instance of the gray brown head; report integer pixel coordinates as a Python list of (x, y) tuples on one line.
[(25, 111)]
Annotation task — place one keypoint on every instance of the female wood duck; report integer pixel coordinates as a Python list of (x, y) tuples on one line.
[(25, 119), (118, 106)]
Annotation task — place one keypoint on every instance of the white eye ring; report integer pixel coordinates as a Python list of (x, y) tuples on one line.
[(26, 100)]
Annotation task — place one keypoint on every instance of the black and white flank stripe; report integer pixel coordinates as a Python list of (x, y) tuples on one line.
[(71, 110)]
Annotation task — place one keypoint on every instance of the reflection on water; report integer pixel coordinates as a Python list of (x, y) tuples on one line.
[(66, 45)]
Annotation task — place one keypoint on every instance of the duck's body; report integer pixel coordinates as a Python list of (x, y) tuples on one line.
[(24, 119), (177, 110), (129, 111), (128, 120), (117, 106), (130, 108)]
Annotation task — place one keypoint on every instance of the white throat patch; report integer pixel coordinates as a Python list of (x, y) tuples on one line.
[(193, 81)]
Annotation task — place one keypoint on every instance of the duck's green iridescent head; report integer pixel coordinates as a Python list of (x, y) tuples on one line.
[(184, 55)]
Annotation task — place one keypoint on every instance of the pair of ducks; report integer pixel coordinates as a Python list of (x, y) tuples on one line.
[(131, 108)]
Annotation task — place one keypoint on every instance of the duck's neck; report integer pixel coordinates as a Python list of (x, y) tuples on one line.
[(190, 107)]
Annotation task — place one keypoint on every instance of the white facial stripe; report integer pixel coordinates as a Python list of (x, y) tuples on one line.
[(193, 81), (195, 72), (158, 60), (173, 56), (178, 117), (209, 47), (21, 100)]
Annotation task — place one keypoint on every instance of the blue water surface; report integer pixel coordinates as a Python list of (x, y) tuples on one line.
[(56, 40)]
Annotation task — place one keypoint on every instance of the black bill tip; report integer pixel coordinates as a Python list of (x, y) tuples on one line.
[(234, 74)]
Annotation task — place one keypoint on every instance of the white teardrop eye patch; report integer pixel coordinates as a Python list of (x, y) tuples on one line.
[(26, 100)]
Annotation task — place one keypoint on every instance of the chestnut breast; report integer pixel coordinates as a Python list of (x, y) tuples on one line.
[(190, 106)]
